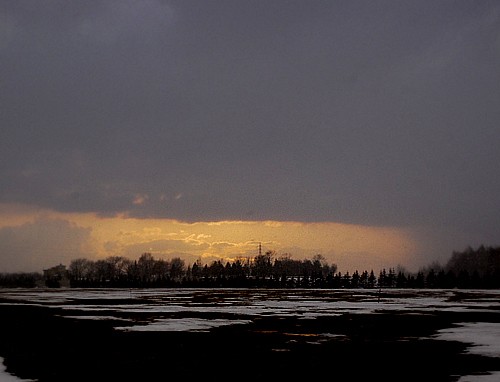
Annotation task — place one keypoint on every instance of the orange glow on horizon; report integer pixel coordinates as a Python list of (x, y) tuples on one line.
[(349, 246)]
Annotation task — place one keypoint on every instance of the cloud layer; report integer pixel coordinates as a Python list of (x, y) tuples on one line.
[(371, 113)]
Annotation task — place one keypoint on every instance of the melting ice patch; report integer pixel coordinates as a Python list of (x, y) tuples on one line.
[(484, 337), (7, 377), (493, 377), (179, 325)]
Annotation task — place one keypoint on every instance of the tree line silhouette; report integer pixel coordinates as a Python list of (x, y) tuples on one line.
[(471, 268)]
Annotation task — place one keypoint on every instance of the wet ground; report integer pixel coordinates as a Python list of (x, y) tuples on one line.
[(235, 334)]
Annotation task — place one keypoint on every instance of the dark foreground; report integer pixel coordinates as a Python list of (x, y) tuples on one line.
[(37, 343)]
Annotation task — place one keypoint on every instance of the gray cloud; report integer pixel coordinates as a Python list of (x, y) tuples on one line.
[(381, 113), (42, 244)]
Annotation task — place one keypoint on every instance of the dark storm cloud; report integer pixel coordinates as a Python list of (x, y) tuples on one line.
[(365, 112)]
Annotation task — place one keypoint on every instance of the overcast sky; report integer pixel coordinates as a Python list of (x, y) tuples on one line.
[(373, 113)]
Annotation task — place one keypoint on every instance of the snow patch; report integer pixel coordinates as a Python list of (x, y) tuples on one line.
[(7, 377)]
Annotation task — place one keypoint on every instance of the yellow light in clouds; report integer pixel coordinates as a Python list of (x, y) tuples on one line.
[(351, 247)]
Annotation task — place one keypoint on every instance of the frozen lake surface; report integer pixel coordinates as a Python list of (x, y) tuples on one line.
[(202, 310)]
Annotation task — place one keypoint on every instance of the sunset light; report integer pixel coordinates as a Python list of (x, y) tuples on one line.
[(351, 247), (261, 189)]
